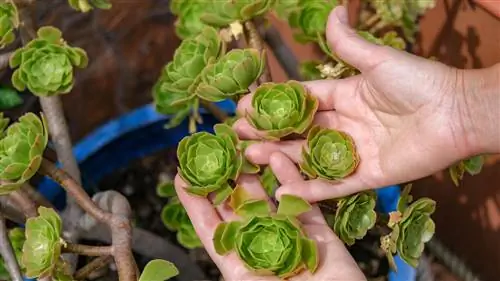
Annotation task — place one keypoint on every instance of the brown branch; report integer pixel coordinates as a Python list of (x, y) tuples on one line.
[(7, 253), (11, 210), (92, 266), (86, 250), (118, 220), (35, 196), (215, 110), (255, 41), (21, 199)]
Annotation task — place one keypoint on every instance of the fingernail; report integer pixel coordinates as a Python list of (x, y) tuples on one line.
[(341, 14)]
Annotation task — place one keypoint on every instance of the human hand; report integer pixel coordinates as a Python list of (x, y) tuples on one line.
[(335, 262), (407, 115)]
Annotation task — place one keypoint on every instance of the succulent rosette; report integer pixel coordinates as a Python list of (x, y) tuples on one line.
[(9, 20), (282, 109), (207, 162), (472, 166), (355, 215), (174, 91), (87, 5), (45, 65), (311, 18), (330, 154), (21, 150), (268, 243), (231, 75), (43, 243), (188, 12), (412, 227), (175, 218), (221, 13)]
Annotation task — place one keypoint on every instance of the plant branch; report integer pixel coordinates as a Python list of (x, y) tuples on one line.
[(92, 266), (21, 199), (215, 110), (11, 210), (255, 41), (35, 196), (117, 220), (7, 253), (86, 250)]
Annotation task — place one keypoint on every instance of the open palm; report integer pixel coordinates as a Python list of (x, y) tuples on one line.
[(398, 112)]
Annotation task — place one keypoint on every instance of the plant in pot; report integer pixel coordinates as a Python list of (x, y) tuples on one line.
[(204, 70)]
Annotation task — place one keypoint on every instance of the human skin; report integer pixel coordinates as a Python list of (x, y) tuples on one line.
[(409, 117)]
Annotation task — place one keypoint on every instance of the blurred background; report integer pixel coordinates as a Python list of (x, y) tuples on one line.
[(129, 44)]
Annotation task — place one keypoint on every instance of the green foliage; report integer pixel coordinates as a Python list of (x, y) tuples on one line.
[(231, 75), (174, 92), (221, 13), (309, 70), (21, 150), (268, 243), (165, 189), (43, 243), (9, 98), (9, 21), (282, 109), (355, 215), (472, 166), (284, 8), (330, 154), (402, 13), (17, 238), (87, 5), (207, 162), (311, 17), (175, 218), (188, 12), (158, 270), (45, 65), (412, 227)]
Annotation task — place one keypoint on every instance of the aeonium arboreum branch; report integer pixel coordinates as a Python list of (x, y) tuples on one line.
[(268, 243)]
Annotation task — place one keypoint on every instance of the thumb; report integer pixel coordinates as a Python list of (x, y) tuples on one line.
[(349, 46)]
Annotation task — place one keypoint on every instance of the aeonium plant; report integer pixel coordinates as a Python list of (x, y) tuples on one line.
[(268, 243), (281, 109), (21, 150), (9, 21), (210, 162)]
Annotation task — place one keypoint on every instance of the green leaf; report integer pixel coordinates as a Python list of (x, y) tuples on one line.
[(310, 254), (166, 189), (269, 181), (292, 205), (222, 194), (9, 98), (474, 165), (253, 208), (158, 270), (238, 197), (49, 33)]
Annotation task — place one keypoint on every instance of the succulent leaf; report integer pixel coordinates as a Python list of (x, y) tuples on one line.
[(293, 206), (9, 98), (221, 13), (269, 181), (472, 166), (309, 70), (175, 218), (355, 215), (45, 65), (158, 270), (231, 75), (43, 243), (21, 150), (9, 21), (87, 5), (282, 109), (188, 12), (166, 189), (330, 154)]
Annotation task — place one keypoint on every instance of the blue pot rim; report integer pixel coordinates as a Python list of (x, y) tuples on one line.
[(144, 117)]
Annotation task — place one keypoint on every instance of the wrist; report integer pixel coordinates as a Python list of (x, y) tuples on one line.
[(478, 110)]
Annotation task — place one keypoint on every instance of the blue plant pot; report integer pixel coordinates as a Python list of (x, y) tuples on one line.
[(141, 133)]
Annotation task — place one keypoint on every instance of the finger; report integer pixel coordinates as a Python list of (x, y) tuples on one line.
[(245, 105), (203, 216), (287, 173), (351, 47), (245, 131), (319, 190), (258, 153)]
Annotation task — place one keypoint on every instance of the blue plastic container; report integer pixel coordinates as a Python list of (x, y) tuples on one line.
[(141, 133)]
